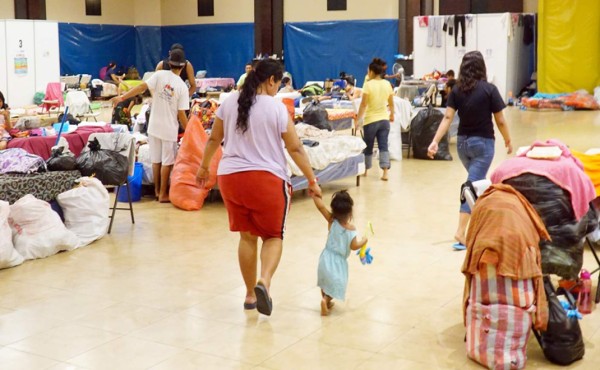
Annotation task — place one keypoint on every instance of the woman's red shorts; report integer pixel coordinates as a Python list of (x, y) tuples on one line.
[(257, 202)]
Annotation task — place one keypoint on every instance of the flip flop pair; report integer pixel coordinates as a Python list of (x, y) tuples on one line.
[(264, 304)]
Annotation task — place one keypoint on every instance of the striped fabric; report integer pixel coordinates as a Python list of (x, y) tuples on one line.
[(499, 319), (489, 288)]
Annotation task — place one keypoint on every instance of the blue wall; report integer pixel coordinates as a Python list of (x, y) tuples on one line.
[(315, 51), (221, 49)]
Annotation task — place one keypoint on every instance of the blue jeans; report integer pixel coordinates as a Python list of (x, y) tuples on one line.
[(476, 154), (379, 130)]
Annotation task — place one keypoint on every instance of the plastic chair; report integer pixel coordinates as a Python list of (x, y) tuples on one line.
[(124, 144), (79, 105), (53, 97)]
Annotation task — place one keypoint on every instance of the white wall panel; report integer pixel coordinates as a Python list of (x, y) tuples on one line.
[(20, 58), (493, 44), (454, 48), (3, 66), (426, 58), (47, 60)]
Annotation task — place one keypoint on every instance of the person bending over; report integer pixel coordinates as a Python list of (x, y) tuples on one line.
[(170, 100)]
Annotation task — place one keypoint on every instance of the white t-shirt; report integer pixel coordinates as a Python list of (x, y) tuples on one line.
[(169, 95), (261, 147)]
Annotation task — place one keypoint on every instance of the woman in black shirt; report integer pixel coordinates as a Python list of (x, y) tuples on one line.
[(476, 101)]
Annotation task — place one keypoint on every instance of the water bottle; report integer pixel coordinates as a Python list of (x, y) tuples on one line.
[(584, 301), (438, 100)]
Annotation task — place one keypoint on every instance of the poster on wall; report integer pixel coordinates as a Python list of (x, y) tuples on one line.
[(21, 62)]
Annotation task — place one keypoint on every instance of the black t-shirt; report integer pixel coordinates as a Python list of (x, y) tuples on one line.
[(475, 109)]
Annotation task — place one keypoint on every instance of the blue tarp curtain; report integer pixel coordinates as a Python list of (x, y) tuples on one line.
[(315, 51), (85, 48), (221, 49)]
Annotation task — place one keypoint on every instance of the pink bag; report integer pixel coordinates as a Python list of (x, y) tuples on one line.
[(497, 335)]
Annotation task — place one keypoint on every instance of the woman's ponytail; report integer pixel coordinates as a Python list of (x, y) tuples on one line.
[(264, 70), (246, 99)]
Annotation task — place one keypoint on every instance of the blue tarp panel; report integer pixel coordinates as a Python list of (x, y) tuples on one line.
[(148, 43), (315, 51), (220, 49), (85, 48)]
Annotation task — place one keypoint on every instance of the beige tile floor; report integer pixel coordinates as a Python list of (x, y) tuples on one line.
[(166, 292)]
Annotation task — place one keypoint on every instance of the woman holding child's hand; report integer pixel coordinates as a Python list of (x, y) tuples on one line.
[(255, 129)]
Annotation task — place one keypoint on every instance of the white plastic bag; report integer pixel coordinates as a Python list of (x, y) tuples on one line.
[(86, 210), (144, 159), (9, 257), (37, 230)]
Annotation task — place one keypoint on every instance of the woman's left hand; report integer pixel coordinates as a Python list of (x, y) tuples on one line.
[(202, 176), (509, 147)]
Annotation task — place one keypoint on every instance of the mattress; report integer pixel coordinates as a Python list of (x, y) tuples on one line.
[(351, 166)]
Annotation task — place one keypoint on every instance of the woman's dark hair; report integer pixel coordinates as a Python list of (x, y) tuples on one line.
[(341, 206), (285, 80), (451, 83), (4, 104), (472, 70), (263, 71), (377, 66), (350, 81)]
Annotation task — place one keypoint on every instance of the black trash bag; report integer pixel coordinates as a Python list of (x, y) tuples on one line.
[(107, 166), (422, 130), (563, 255), (562, 342), (72, 120), (315, 115), (60, 161)]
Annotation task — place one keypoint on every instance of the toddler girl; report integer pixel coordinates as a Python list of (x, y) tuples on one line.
[(333, 264), (5, 124)]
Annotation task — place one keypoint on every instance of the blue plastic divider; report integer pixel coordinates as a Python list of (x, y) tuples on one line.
[(85, 48), (319, 50), (221, 49), (148, 44)]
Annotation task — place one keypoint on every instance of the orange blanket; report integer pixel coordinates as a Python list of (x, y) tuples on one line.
[(505, 231)]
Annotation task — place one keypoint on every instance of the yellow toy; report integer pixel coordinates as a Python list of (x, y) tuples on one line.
[(364, 253)]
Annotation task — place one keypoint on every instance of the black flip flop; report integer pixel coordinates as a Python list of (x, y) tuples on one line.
[(264, 304), (250, 306)]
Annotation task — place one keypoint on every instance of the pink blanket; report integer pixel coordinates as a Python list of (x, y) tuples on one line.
[(565, 171), (41, 145)]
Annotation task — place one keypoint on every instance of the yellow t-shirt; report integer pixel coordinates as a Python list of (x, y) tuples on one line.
[(377, 92)]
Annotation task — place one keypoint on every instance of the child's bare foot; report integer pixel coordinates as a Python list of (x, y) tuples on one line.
[(164, 199), (365, 174), (324, 308), (330, 304)]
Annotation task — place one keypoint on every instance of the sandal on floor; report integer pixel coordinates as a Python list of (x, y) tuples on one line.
[(264, 304), (249, 306), (458, 247)]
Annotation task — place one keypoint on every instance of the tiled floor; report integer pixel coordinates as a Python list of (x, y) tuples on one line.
[(166, 293)]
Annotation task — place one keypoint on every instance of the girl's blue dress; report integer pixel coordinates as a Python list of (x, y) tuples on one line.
[(333, 263)]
